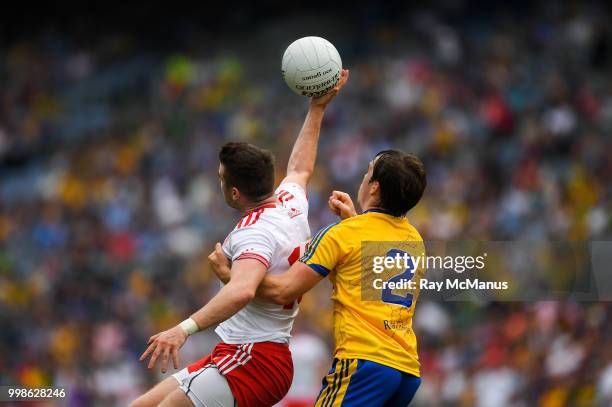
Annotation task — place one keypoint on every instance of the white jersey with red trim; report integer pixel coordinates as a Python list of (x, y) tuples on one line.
[(276, 235)]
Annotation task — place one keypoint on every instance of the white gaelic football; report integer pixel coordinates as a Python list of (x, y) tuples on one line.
[(311, 66)]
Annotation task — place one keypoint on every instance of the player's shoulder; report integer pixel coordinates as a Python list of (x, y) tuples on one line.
[(349, 224), (344, 232), (290, 186), (339, 227), (332, 231), (288, 191), (255, 219), (353, 228), (271, 220), (413, 233)]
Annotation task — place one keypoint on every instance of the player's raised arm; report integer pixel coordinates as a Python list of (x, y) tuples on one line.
[(304, 153)]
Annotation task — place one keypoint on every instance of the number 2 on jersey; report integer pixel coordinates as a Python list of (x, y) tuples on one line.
[(408, 274)]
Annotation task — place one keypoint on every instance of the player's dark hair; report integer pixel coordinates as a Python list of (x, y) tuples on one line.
[(248, 168), (402, 180)]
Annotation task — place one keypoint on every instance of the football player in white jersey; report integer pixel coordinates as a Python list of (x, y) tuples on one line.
[(251, 366)]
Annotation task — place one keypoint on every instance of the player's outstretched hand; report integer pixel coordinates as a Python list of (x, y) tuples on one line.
[(165, 344), (341, 204), (220, 264), (323, 101)]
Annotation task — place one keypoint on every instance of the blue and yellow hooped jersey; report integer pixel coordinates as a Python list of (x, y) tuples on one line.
[(376, 329)]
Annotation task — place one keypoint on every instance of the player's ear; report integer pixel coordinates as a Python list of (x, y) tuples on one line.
[(374, 188), (235, 193)]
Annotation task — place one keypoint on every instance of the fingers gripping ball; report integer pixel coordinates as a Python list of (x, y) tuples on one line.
[(311, 66)]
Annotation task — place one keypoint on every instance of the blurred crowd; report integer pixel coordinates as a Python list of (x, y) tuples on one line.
[(110, 203)]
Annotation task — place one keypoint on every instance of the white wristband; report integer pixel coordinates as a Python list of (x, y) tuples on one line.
[(189, 326)]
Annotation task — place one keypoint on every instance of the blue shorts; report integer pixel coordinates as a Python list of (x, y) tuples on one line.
[(358, 383)]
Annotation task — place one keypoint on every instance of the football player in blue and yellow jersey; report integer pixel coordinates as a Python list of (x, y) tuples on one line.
[(375, 359)]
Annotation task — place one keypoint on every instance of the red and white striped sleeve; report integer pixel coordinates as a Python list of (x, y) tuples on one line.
[(250, 243)]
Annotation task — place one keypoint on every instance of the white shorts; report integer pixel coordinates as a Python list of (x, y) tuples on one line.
[(206, 387)]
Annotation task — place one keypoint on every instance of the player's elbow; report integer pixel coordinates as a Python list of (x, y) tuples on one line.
[(272, 294), (244, 295), (282, 298)]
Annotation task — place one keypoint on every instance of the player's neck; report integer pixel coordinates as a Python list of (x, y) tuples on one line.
[(254, 205), (372, 204), (369, 204), (372, 207)]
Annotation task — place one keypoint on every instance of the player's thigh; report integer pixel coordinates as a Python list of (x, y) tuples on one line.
[(177, 398), (154, 396), (405, 392), (355, 382), (207, 387)]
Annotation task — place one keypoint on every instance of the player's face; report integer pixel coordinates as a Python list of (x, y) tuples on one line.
[(229, 193)]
